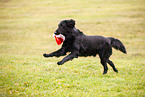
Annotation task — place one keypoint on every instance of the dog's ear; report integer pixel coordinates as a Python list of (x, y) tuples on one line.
[(71, 23)]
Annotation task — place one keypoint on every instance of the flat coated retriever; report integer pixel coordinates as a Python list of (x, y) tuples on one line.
[(79, 44)]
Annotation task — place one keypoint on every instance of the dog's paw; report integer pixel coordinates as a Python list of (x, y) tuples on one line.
[(46, 55), (59, 63), (105, 72), (116, 71)]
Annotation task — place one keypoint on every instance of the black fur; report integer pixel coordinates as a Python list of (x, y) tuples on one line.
[(79, 44)]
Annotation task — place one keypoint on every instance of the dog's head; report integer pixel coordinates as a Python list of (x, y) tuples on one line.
[(64, 30), (65, 27)]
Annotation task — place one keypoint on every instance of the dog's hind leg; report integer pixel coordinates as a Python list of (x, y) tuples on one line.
[(104, 55), (112, 65), (104, 63)]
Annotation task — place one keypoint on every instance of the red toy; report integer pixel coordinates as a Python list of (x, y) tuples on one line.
[(59, 38)]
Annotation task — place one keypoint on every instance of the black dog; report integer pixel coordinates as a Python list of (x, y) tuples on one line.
[(79, 44)]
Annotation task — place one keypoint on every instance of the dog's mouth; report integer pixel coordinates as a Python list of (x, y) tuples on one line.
[(59, 38)]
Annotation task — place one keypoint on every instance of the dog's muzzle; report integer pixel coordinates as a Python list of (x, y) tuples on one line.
[(59, 38)]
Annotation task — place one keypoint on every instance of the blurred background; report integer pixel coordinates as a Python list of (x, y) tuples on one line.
[(27, 26), (26, 32)]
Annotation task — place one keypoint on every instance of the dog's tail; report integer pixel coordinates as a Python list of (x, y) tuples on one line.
[(117, 44)]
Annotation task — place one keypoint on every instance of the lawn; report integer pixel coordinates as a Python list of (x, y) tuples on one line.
[(26, 32)]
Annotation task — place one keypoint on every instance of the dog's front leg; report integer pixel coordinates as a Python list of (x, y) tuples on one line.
[(58, 53), (67, 58)]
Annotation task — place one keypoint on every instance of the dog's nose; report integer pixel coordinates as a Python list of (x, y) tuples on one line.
[(56, 32)]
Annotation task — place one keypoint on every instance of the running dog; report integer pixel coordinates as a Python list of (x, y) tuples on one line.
[(79, 44)]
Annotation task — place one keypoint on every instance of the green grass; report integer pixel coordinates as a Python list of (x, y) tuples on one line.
[(26, 29)]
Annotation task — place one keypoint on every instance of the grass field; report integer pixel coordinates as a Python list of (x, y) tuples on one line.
[(26, 32)]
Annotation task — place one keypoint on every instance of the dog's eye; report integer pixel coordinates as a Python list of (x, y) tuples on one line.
[(60, 25)]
